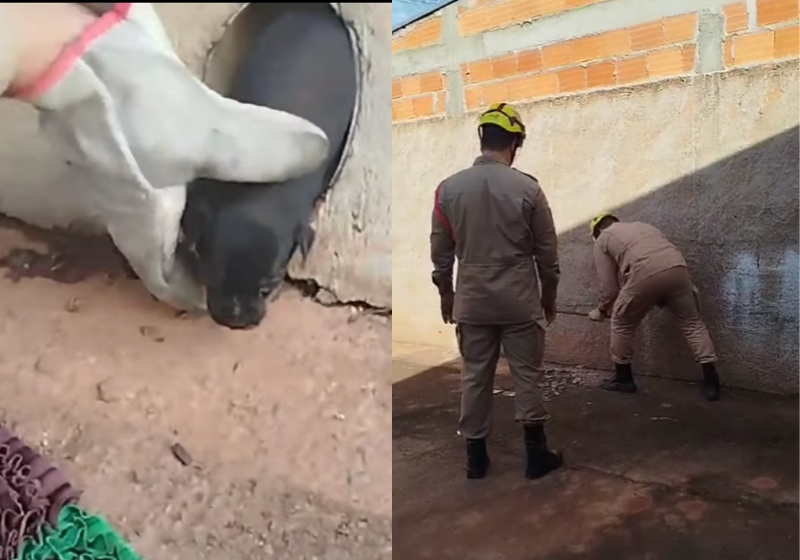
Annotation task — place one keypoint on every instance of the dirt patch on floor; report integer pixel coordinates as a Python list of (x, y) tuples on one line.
[(281, 430), (660, 475)]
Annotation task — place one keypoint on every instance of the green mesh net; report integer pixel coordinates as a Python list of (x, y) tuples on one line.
[(78, 536)]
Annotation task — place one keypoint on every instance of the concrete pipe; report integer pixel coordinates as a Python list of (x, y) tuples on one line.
[(352, 260)]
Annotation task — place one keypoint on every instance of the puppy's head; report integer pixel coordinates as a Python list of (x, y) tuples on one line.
[(242, 263)]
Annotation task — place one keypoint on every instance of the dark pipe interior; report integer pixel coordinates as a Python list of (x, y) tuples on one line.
[(239, 238)]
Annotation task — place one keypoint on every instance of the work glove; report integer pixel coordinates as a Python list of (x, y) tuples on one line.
[(447, 303), (136, 126), (597, 315), (550, 314)]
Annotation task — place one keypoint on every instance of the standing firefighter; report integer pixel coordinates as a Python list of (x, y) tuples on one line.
[(639, 268), (497, 222)]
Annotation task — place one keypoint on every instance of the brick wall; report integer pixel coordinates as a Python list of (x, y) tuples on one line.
[(649, 51), (777, 36), (422, 34), (477, 16), (418, 96)]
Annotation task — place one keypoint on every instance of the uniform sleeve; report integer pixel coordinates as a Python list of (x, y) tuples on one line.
[(443, 246), (607, 275), (545, 248)]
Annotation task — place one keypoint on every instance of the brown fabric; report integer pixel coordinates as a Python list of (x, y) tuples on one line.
[(672, 289), (480, 345), (627, 253), (497, 222), (32, 491)]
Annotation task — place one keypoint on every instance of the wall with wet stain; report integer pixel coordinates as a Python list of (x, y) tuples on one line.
[(711, 159), (352, 255)]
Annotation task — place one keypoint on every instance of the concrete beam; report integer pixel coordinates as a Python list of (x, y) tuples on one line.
[(710, 41), (455, 84), (752, 18)]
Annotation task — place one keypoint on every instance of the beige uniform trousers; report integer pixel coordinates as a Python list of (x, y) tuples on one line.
[(480, 345), (672, 289)]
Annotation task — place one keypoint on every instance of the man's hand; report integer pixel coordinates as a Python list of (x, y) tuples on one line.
[(447, 302), (550, 315), (164, 130), (597, 315), (133, 122)]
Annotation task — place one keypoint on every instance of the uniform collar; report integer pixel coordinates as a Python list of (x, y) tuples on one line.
[(482, 159)]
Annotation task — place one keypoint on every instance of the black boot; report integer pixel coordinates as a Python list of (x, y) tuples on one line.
[(477, 458), (710, 384), (622, 381), (541, 460)]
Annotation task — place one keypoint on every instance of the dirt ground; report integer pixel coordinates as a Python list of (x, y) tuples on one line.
[(660, 475), (285, 425)]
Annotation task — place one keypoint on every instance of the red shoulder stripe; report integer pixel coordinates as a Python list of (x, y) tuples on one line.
[(440, 216)]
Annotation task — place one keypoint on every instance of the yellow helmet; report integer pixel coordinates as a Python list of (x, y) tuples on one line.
[(504, 116), (597, 219)]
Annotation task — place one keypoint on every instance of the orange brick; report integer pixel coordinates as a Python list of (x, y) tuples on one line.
[(402, 110), (479, 71), (727, 53), (494, 93), (441, 102), (666, 62), (529, 61), (753, 47), (688, 53), (471, 22), (531, 87), (502, 14), (556, 55), (598, 47), (632, 70), (397, 88), (422, 34), (572, 79), (680, 29), (423, 105), (615, 43), (410, 85), (432, 81), (735, 17), (572, 4), (770, 12), (504, 66), (787, 42), (647, 36), (601, 74), (473, 98)]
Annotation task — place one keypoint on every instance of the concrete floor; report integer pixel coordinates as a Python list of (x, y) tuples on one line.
[(286, 424), (660, 475)]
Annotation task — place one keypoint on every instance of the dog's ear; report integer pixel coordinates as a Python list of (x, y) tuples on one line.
[(304, 237), (196, 220)]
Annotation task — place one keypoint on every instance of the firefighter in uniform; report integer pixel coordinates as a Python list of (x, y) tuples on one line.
[(639, 268), (497, 222)]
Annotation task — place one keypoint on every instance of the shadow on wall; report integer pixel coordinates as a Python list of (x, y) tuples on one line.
[(736, 221)]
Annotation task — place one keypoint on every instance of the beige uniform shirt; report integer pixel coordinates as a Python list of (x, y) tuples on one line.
[(627, 253), (497, 222)]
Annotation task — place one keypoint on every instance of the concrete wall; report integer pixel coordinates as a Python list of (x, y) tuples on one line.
[(352, 257), (681, 114)]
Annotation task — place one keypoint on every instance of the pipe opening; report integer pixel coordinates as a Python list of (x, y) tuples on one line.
[(241, 31)]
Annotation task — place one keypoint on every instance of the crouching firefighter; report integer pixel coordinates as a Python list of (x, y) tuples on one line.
[(497, 222), (638, 268)]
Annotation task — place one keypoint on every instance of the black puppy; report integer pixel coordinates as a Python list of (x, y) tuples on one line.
[(239, 238)]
